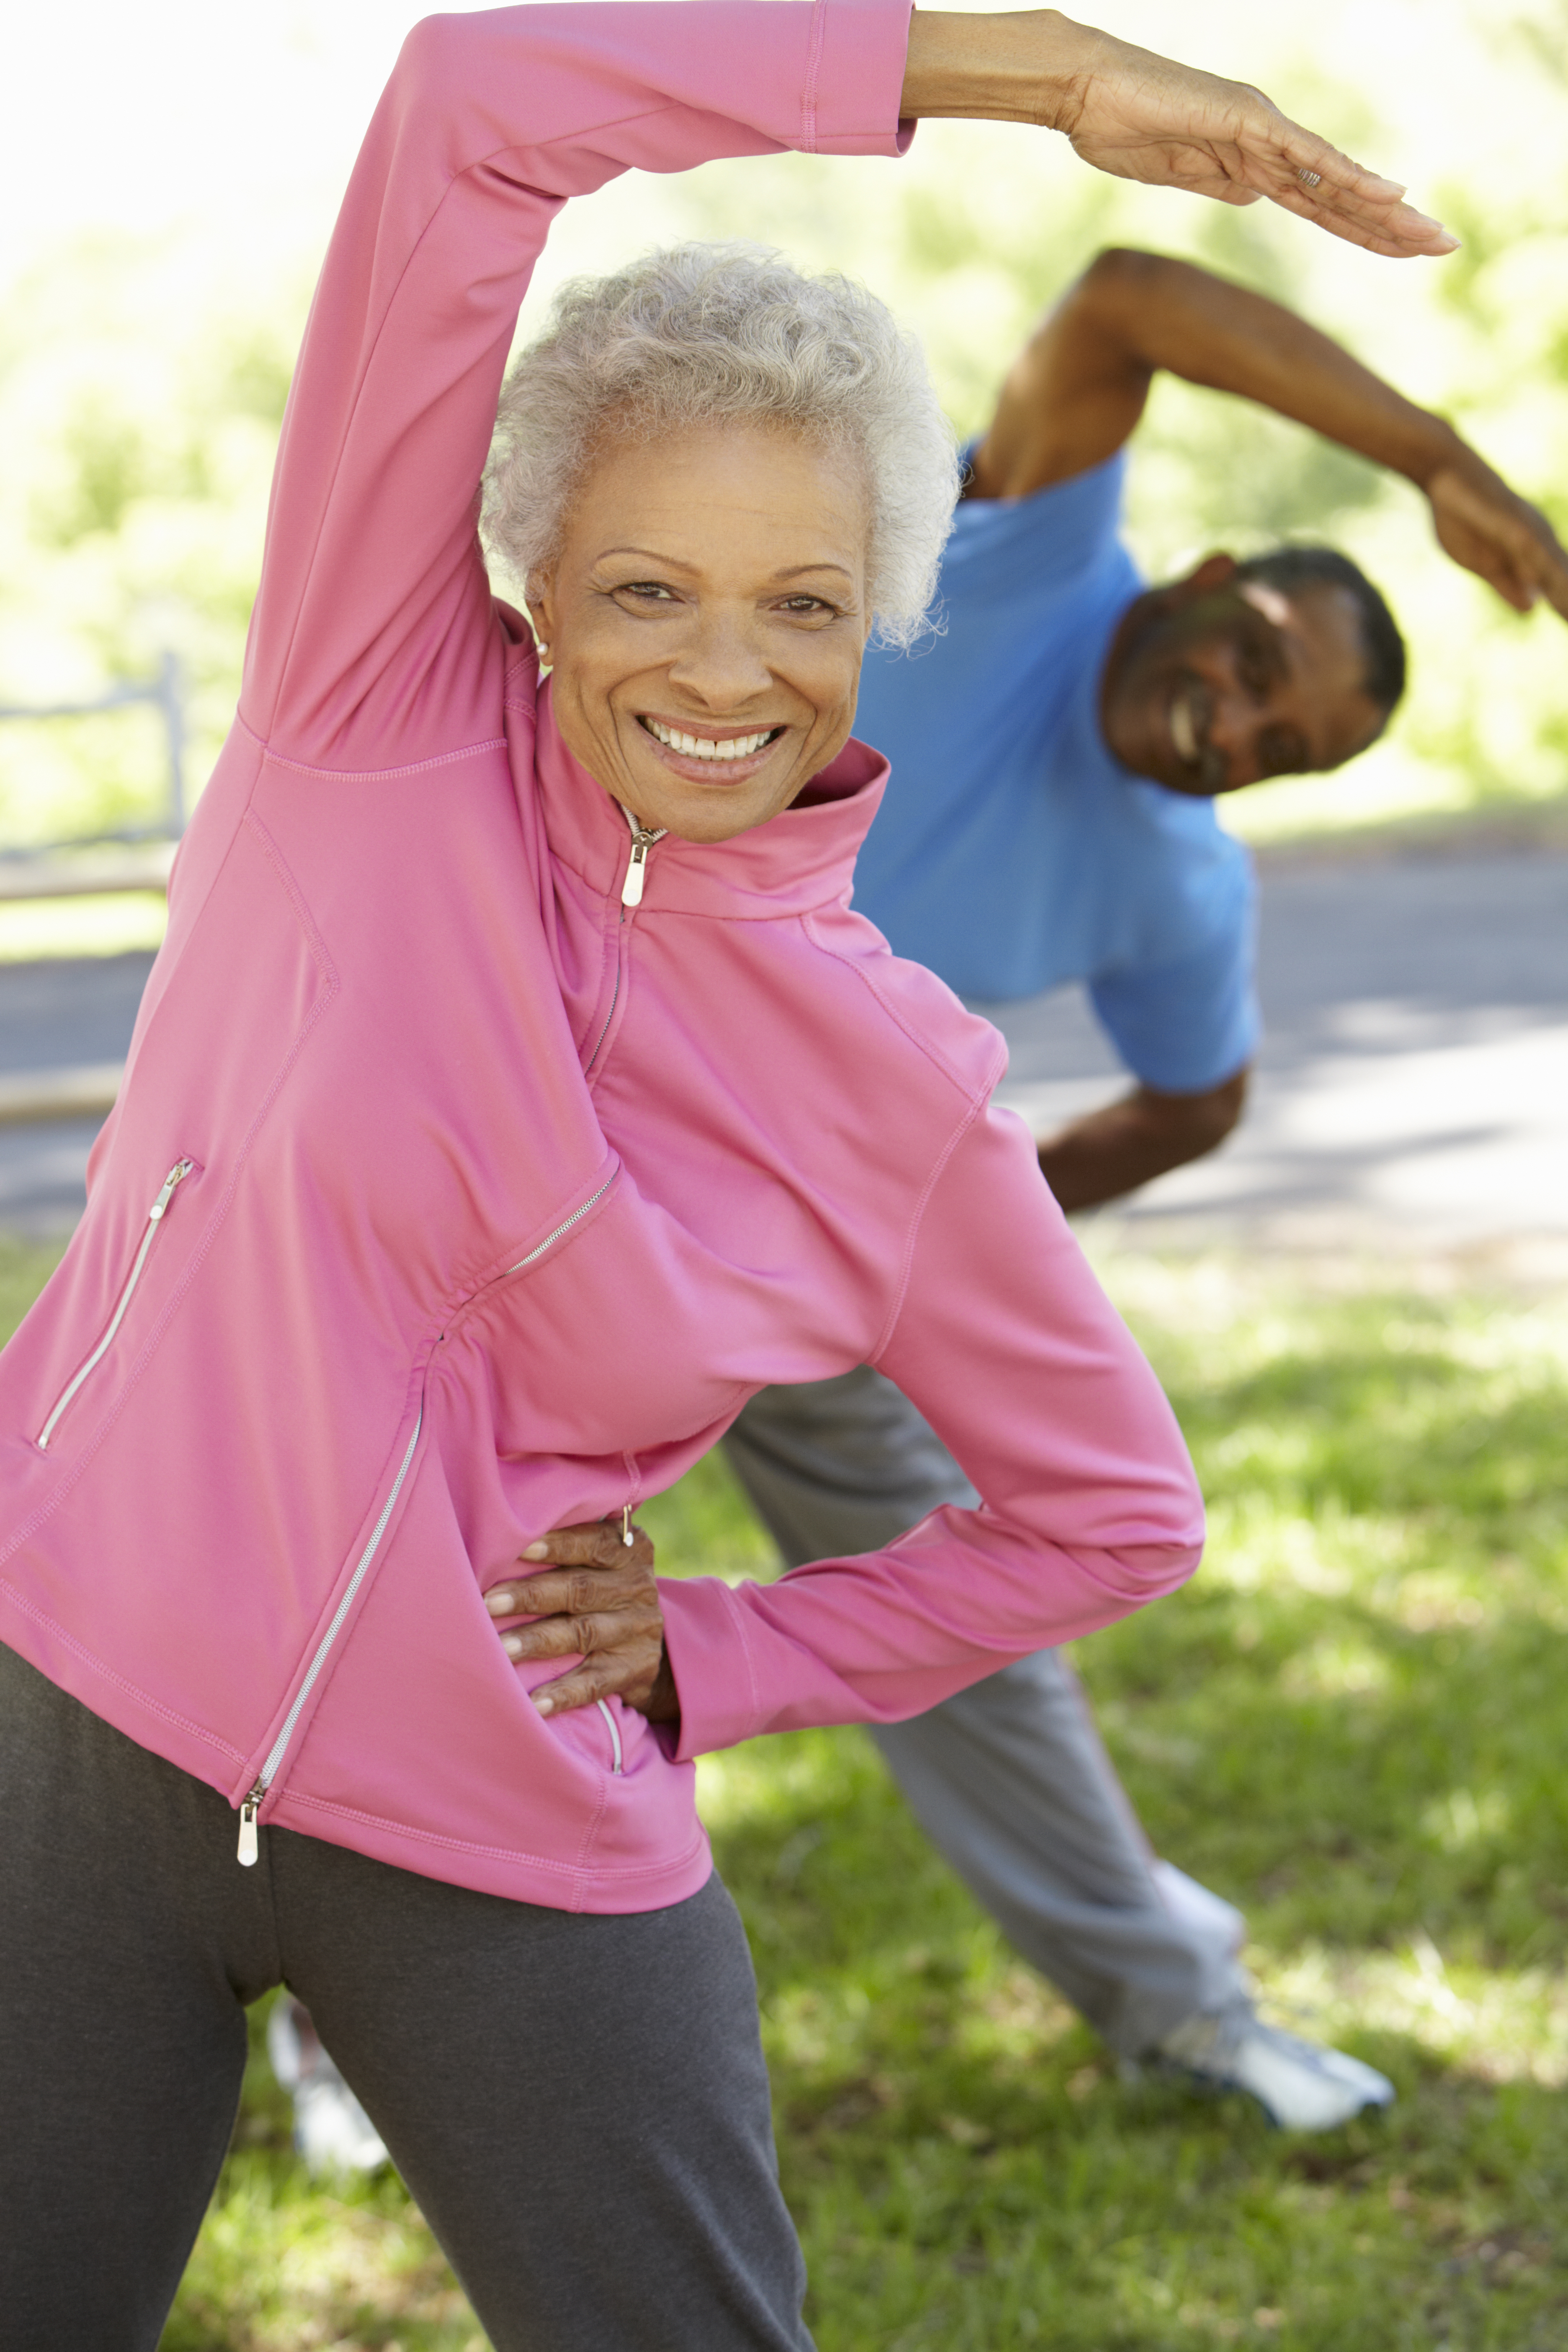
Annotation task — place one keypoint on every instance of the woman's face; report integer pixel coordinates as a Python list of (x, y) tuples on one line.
[(710, 593)]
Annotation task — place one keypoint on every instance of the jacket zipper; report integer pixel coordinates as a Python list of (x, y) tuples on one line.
[(249, 1844), (632, 885), (156, 1215), (563, 1227)]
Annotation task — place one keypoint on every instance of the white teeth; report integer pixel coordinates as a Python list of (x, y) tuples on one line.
[(702, 747), (1183, 734)]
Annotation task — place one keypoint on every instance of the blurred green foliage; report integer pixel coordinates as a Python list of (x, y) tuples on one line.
[(145, 400), (141, 384)]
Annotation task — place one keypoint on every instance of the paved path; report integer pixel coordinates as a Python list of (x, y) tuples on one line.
[(1412, 1087), (1412, 1092)]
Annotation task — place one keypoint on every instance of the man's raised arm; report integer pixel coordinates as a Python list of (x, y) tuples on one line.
[(1079, 386)]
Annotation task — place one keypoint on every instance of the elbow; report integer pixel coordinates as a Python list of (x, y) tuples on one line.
[(1127, 1577), (1123, 275), (1219, 1111), (429, 60), (1198, 1124)]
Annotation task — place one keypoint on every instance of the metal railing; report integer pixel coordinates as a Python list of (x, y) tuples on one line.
[(79, 865), (132, 857)]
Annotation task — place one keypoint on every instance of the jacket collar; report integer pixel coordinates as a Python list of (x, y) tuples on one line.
[(802, 859)]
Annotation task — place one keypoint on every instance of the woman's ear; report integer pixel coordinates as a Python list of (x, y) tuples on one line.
[(540, 599)]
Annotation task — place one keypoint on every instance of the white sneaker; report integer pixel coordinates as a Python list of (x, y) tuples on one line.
[(332, 2130), (1300, 2085)]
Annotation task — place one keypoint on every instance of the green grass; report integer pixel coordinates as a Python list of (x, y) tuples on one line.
[(1354, 1724)]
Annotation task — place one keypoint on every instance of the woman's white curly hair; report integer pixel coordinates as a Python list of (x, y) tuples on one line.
[(704, 334)]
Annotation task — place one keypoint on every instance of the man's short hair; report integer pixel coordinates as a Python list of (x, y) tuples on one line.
[(1292, 569)]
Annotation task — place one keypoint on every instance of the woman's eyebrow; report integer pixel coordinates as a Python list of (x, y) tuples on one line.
[(643, 555), (677, 563), (827, 573)]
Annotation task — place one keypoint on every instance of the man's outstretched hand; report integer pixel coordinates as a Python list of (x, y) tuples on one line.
[(1143, 117), (597, 1601), (1492, 531)]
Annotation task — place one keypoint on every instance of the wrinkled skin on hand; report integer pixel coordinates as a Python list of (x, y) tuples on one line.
[(1143, 117), (596, 1601)]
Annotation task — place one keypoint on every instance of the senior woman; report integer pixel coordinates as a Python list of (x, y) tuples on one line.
[(515, 1096)]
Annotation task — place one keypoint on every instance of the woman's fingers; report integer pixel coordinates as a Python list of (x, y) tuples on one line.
[(596, 1601), (590, 1633), (594, 1543), (569, 1592), (653, 1695), (1143, 117)]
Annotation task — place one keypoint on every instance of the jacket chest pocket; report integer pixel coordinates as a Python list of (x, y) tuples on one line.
[(91, 1364)]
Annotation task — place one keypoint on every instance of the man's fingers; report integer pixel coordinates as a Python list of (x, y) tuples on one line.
[(1503, 537), (1548, 564)]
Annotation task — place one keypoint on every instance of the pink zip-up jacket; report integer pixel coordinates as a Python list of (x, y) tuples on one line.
[(481, 1202)]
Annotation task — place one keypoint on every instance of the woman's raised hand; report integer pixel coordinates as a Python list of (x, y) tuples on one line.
[(596, 1601), (1143, 117)]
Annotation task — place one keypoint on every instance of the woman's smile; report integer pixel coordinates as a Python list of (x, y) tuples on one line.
[(707, 751)]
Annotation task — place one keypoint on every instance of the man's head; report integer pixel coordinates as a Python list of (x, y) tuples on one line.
[(1282, 666)]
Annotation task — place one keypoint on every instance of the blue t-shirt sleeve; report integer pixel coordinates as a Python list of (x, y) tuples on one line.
[(1188, 1024)]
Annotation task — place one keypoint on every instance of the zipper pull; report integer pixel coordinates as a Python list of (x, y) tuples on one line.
[(249, 1836), (176, 1175), (637, 864), (636, 868)]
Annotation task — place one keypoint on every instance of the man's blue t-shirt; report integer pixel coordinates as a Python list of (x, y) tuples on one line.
[(1012, 853)]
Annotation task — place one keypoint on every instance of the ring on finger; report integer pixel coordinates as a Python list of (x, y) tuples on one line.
[(1309, 179)]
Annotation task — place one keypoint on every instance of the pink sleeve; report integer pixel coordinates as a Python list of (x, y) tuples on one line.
[(372, 629), (1009, 1347)]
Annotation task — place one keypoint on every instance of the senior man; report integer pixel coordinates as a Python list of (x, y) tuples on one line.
[(1055, 755)]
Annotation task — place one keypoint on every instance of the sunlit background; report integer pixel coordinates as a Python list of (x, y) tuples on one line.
[(168, 179), (1354, 1722)]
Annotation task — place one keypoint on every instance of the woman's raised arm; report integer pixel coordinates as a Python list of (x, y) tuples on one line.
[(371, 634)]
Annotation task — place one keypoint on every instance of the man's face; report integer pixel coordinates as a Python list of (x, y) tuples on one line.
[(1217, 682)]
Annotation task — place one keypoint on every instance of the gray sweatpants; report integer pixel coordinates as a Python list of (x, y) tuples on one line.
[(578, 2102), (1009, 1779)]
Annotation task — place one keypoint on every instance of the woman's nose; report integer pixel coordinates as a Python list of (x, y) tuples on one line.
[(721, 661)]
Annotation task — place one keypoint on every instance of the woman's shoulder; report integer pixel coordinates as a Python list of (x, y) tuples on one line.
[(921, 1020)]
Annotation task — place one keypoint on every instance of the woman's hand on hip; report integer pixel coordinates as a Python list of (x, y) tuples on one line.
[(1143, 117), (596, 1601)]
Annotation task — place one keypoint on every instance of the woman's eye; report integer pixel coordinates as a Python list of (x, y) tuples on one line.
[(805, 604), (646, 591)]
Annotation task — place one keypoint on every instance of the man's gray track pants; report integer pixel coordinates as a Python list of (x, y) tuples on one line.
[(1009, 1779)]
